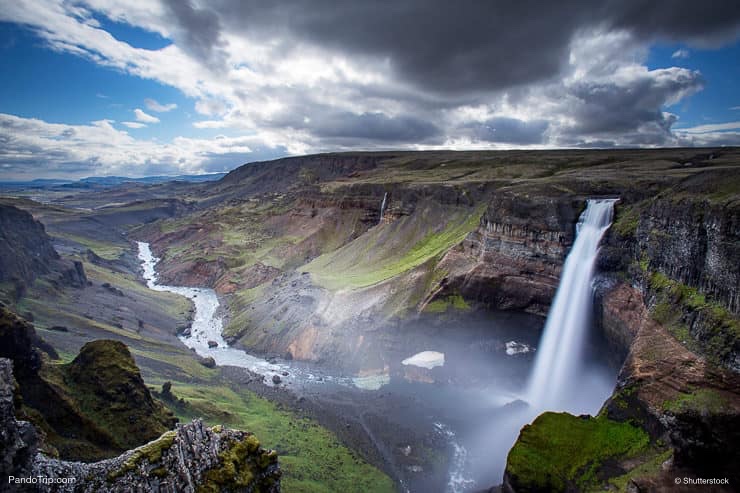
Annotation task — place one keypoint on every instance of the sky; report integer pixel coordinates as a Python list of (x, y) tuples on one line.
[(138, 88)]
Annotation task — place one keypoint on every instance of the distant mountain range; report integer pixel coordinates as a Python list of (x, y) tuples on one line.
[(106, 181)]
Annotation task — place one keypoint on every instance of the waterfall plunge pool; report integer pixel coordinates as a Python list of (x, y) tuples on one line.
[(470, 403)]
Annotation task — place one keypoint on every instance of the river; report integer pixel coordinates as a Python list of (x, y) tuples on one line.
[(449, 382)]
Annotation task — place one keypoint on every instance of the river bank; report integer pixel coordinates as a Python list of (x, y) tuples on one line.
[(439, 415)]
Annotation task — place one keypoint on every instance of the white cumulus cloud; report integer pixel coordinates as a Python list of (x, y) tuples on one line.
[(145, 117)]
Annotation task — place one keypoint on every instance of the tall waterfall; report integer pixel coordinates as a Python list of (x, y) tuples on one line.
[(382, 207), (559, 358)]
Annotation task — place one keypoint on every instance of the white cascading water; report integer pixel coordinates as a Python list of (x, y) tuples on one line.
[(559, 359), (382, 207)]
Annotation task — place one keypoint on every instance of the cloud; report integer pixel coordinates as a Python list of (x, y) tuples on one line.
[(297, 77), (681, 53), (145, 117), (153, 105), (32, 147), (713, 127), (133, 124), (510, 130), (735, 108)]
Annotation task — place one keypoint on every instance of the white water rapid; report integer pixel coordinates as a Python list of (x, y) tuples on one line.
[(557, 372), (206, 326)]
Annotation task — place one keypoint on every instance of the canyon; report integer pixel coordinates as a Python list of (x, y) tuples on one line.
[(335, 261)]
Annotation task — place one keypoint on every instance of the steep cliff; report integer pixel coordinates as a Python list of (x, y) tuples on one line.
[(667, 303), (305, 261), (94, 407), (26, 253), (192, 458)]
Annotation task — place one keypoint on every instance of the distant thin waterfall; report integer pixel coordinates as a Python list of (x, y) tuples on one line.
[(382, 207), (559, 356)]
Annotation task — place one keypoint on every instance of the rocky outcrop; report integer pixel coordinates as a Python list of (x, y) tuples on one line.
[(26, 253), (696, 243), (94, 407), (192, 458), (674, 393), (18, 440), (683, 253)]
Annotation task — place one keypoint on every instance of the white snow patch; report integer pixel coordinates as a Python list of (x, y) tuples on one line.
[(426, 359)]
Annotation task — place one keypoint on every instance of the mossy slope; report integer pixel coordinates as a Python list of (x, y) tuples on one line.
[(561, 452)]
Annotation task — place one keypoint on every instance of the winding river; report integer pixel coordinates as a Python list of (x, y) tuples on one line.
[(205, 337), (465, 396)]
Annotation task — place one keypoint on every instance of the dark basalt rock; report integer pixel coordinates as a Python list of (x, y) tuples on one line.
[(26, 253), (208, 362)]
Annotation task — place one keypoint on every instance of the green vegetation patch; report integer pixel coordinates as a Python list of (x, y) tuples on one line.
[(104, 385), (311, 457), (676, 302), (452, 302), (152, 452), (387, 251), (701, 401), (108, 251), (240, 464), (650, 466), (627, 220), (560, 450)]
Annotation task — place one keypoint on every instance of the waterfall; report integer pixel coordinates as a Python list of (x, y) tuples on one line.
[(559, 357), (382, 207)]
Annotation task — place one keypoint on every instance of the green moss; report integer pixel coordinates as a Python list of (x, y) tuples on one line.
[(237, 467), (104, 386), (311, 457), (152, 452), (651, 466), (559, 450), (455, 302), (675, 304), (627, 220), (701, 401)]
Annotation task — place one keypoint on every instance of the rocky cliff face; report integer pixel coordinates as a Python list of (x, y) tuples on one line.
[(94, 407), (191, 458), (667, 303), (26, 253), (513, 259)]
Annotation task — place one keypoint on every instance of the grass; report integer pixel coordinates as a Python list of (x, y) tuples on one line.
[(311, 457), (108, 251), (701, 401), (626, 221), (676, 303), (390, 250), (558, 451), (453, 302), (651, 466)]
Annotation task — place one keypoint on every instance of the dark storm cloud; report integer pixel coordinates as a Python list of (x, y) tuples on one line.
[(703, 23), (373, 126), (331, 125), (199, 31), (511, 131), (450, 47)]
